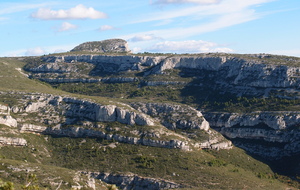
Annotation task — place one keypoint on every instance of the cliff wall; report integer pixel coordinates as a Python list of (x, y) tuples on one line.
[(240, 75), (269, 134), (72, 117)]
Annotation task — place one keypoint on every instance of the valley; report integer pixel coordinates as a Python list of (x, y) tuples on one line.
[(101, 117)]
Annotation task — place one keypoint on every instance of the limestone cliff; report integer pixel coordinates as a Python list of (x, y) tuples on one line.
[(105, 46), (131, 181), (254, 75), (67, 116), (273, 134)]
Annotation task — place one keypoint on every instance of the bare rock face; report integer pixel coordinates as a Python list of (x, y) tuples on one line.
[(249, 75), (278, 130), (12, 141), (174, 116), (135, 182), (105, 46)]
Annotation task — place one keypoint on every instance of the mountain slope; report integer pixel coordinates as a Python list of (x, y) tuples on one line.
[(141, 133)]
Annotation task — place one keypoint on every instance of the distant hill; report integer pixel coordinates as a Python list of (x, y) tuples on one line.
[(104, 46)]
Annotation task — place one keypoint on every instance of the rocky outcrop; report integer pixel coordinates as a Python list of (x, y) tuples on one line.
[(103, 63), (268, 120), (174, 116), (237, 71), (164, 83), (55, 67), (272, 134), (79, 110), (254, 75), (135, 182), (5, 118), (67, 116), (76, 132), (12, 141), (248, 76), (187, 119), (8, 120), (90, 80), (105, 46)]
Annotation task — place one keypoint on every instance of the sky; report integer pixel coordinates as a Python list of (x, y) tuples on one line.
[(39, 27)]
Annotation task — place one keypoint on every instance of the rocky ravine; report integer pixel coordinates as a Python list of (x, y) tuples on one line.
[(272, 135), (255, 75), (66, 116)]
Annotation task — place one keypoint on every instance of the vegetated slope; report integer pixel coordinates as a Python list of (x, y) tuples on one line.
[(133, 116)]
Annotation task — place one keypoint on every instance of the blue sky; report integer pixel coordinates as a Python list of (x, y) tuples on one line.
[(37, 27)]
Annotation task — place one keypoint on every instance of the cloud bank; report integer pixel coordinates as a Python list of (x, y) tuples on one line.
[(144, 37), (78, 12), (35, 51), (189, 46)]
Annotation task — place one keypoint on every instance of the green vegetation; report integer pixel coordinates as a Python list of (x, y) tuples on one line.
[(205, 170), (12, 80), (191, 96), (6, 185)]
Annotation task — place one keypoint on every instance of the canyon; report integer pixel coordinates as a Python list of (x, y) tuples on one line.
[(204, 105)]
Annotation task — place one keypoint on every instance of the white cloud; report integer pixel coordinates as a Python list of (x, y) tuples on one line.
[(107, 27), (65, 26), (78, 12), (35, 51), (144, 37), (186, 1), (189, 46)]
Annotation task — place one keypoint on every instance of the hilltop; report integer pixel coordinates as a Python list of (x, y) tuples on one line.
[(104, 46)]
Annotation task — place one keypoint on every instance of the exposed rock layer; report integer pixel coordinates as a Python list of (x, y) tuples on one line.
[(279, 130), (135, 182), (72, 117), (248, 75)]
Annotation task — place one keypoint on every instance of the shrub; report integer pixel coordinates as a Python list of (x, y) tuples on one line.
[(216, 163)]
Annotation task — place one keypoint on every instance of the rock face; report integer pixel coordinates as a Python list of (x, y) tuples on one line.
[(235, 75), (105, 46), (5, 118), (135, 182), (252, 75), (105, 63), (12, 141), (174, 116), (278, 130), (77, 132), (66, 116), (8, 120)]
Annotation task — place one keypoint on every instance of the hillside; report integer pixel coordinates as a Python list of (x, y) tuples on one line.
[(150, 121)]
